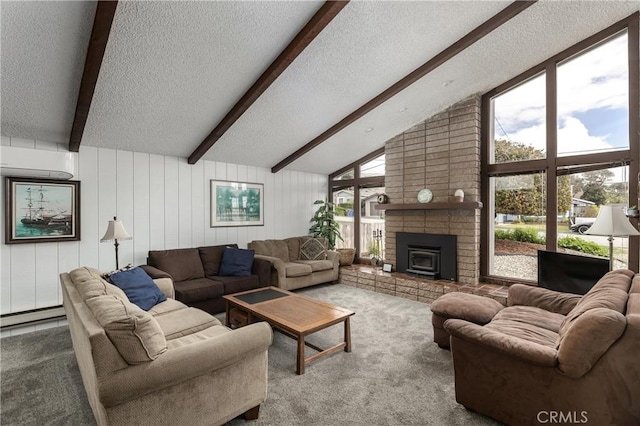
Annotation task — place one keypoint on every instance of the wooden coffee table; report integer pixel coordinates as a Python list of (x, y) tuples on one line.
[(292, 314)]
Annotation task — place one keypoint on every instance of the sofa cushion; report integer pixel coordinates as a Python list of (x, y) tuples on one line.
[(531, 315), (139, 287), (521, 330), (238, 284), (202, 335), (181, 264), (168, 305), (211, 256), (294, 269), (89, 283), (293, 245), (312, 249), (587, 339), (197, 290), (236, 262), (317, 265), (184, 322), (272, 248), (134, 332)]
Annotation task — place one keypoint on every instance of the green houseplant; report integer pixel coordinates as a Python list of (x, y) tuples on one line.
[(324, 224)]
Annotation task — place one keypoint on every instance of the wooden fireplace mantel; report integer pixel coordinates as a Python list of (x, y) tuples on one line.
[(464, 205)]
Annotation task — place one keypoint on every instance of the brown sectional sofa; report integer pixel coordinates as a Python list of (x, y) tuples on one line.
[(195, 275), (170, 365), (549, 353), (289, 271)]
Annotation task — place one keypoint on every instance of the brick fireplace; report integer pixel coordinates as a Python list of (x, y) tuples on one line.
[(443, 154)]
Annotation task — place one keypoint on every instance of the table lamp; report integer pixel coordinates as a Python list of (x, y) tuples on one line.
[(115, 232)]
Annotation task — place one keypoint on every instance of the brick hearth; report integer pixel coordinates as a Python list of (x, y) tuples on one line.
[(413, 288)]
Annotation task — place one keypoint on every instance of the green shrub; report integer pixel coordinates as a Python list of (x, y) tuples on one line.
[(504, 234), (528, 235), (525, 235), (578, 244)]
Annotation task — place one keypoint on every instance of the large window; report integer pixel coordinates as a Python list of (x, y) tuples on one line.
[(561, 141), (354, 191)]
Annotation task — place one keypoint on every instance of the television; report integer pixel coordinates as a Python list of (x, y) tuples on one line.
[(569, 273)]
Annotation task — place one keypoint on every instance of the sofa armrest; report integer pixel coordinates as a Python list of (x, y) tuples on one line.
[(184, 363), (262, 268), (525, 350), (278, 265), (154, 272), (543, 298), (163, 280)]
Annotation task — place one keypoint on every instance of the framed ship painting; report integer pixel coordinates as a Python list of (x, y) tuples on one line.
[(236, 203), (41, 210)]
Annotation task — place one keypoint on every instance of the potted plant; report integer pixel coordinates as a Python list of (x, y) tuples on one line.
[(324, 224), (632, 211)]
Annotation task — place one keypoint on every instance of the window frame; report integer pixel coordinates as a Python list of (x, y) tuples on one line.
[(357, 182), (553, 165)]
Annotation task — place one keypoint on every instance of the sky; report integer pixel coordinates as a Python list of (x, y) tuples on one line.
[(592, 104)]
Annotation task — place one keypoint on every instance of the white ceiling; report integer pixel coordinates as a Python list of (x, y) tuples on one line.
[(172, 70)]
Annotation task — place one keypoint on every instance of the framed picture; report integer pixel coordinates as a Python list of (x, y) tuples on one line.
[(41, 210), (387, 267), (236, 203)]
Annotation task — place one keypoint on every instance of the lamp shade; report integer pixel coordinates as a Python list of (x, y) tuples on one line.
[(612, 222), (115, 231)]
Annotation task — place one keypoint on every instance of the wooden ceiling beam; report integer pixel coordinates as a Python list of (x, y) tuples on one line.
[(476, 34), (105, 12), (316, 24)]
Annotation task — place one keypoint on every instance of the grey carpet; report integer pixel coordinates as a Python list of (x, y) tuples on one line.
[(395, 374)]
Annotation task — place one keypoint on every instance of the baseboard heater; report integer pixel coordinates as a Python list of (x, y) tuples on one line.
[(31, 317)]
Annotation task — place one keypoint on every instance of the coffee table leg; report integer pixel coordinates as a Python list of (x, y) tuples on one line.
[(347, 335), (300, 360), (227, 320)]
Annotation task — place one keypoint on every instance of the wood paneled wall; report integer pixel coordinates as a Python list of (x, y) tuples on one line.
[(163, 203)]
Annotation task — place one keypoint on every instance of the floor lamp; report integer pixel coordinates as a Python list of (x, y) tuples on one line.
[(115, 232), (612, 222)]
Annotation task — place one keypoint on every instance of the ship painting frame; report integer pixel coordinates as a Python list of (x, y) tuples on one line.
[(41, 210)]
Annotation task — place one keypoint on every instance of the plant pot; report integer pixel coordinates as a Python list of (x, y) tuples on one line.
[(632, 213), (346, 256)]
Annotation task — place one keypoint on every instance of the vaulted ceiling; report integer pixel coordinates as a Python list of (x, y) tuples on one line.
[(172, 71)]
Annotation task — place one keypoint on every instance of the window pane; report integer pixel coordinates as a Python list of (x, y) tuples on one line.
[(374, 167), (349, 174), (519, 123), (593, 100), (519, 208), (343, 200), (371, 223), (589, 191)]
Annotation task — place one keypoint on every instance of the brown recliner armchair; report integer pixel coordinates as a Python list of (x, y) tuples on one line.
[(551, 356)]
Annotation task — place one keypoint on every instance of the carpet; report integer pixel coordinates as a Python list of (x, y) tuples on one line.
[(395, 374)]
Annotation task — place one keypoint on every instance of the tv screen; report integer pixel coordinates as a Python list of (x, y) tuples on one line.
[(569, 273)]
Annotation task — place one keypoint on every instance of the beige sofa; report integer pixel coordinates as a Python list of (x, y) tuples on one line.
[(549, 353), (171, 365), (289, 270)]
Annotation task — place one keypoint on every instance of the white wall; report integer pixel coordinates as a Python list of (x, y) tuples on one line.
[(163, 203)]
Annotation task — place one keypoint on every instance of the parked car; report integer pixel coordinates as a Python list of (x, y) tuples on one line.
[(581, 227)]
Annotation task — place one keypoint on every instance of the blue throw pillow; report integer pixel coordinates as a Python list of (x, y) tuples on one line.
[(139, 288), (236, 262)]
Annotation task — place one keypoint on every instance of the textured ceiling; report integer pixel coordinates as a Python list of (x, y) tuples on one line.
[(172, 70)]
